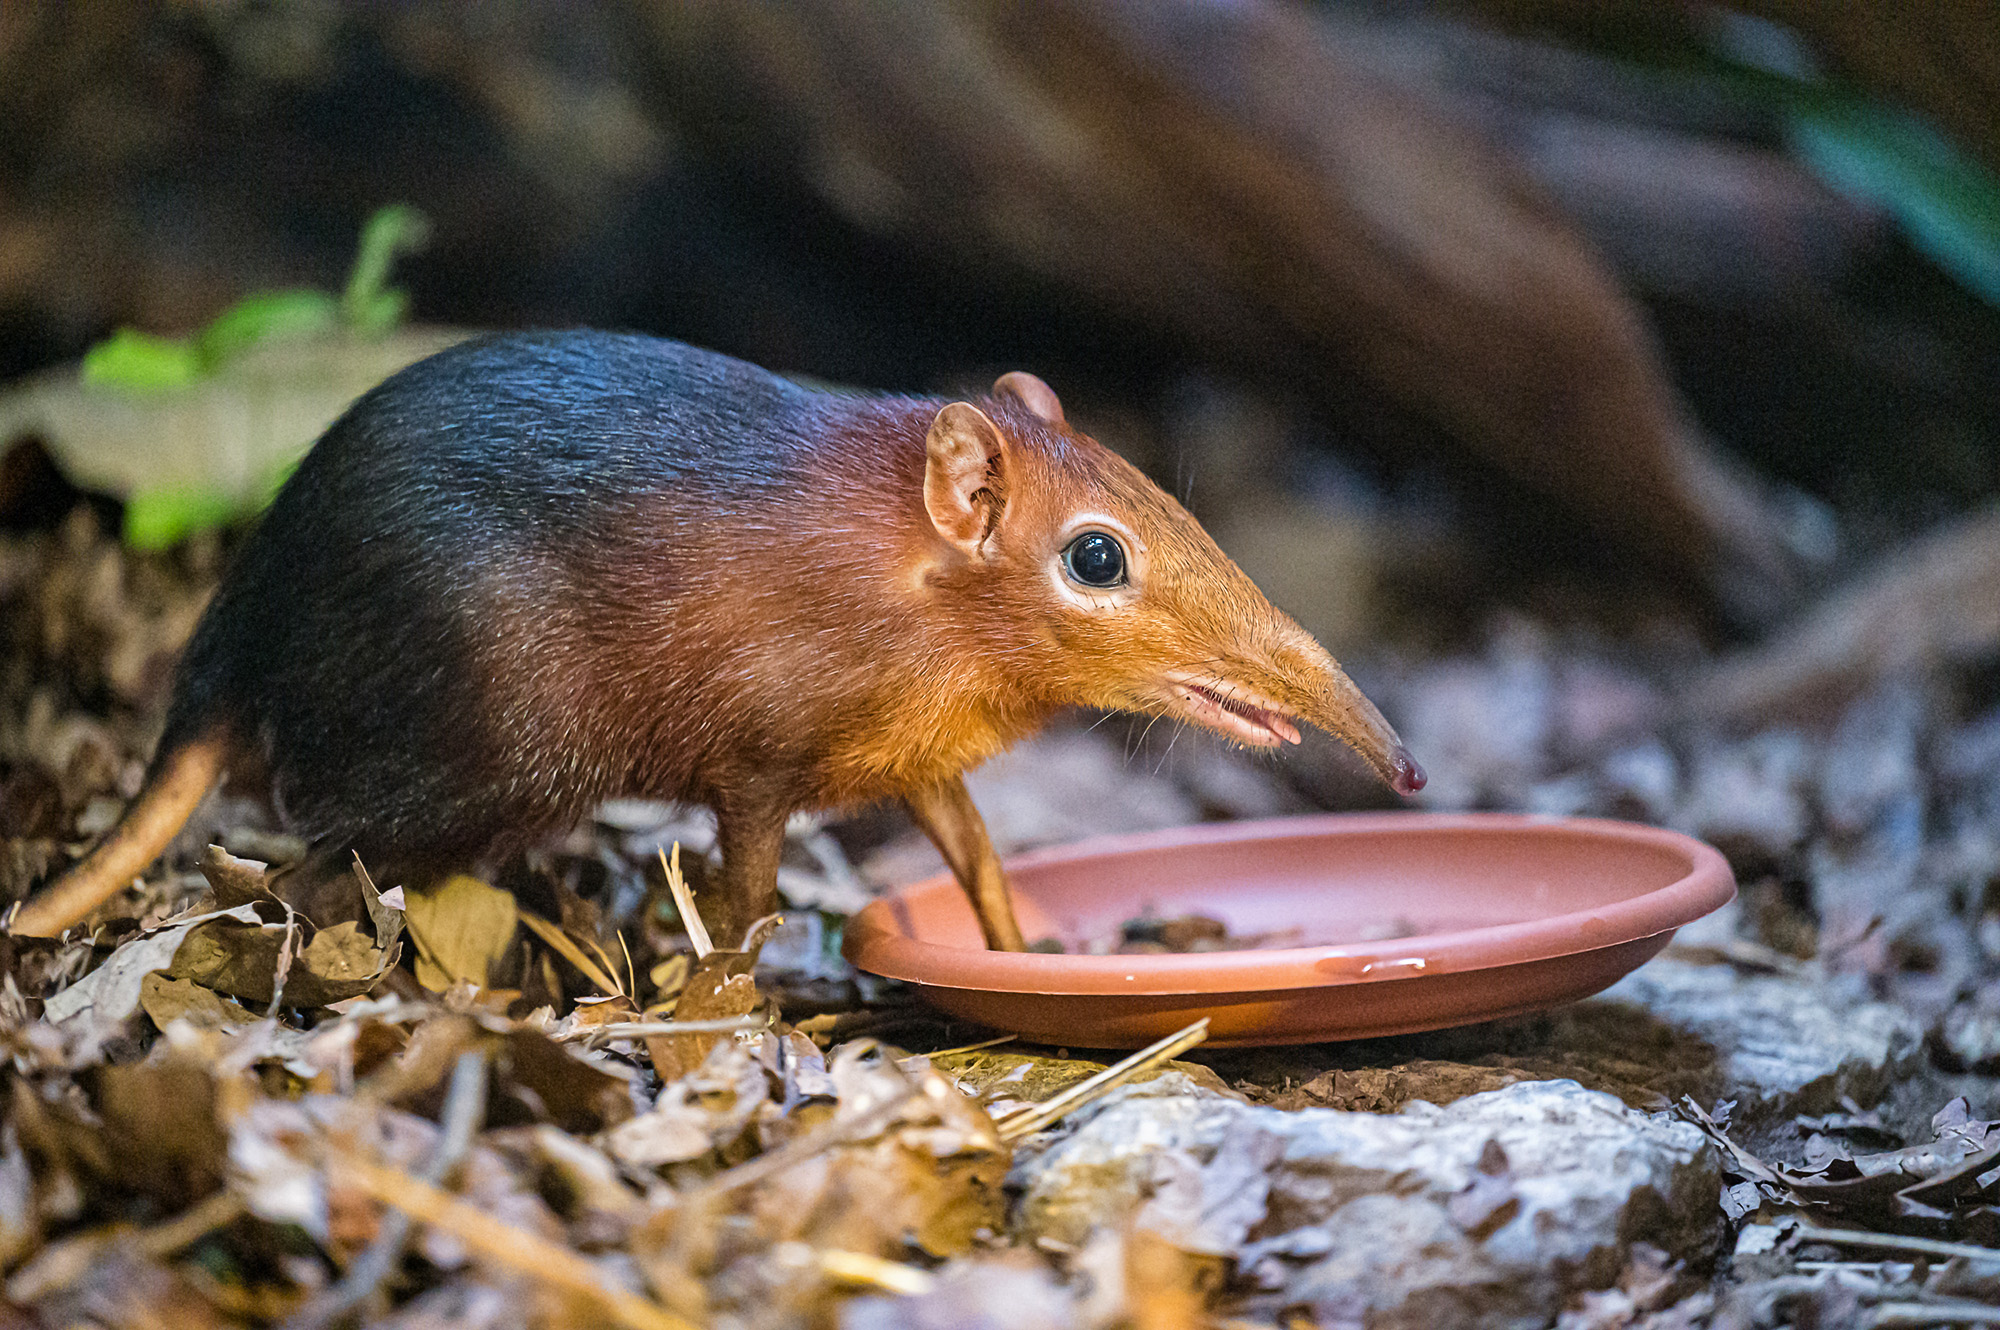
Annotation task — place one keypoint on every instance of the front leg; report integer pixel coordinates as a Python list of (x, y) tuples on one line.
[(752, 840), (946, 813)]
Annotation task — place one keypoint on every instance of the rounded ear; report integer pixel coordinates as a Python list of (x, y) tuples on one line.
[(1031, 392), (965, 479)]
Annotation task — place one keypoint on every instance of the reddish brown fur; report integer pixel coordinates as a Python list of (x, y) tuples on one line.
[(795, 601), (901, 663)]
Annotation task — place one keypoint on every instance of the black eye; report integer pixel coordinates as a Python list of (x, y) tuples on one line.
[(1095, 559)]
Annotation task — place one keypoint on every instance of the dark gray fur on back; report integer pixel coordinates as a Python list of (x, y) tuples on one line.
[(341, 645)]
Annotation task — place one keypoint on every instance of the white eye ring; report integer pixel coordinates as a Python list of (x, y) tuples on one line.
[(1082, 595)]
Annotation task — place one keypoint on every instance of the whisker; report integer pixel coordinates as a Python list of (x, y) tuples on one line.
[(1140, 746)]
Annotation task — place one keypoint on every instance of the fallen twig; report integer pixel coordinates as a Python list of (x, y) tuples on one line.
[(1859, 1237), (821, 1138), (191, 1225), (593, 1035), (1031, 1118), (1935, 601), (464, 1110), (517, 1249)]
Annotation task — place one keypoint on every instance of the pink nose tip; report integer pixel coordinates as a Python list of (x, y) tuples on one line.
[(1409, 776)]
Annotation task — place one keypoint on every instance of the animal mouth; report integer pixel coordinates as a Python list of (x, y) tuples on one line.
[(1241, 713)]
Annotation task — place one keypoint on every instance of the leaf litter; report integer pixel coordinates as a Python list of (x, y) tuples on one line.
[(235, 1101), (232, 1105), (238, 1117)]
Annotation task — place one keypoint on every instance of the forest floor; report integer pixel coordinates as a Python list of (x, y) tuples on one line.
[(479, 1107)]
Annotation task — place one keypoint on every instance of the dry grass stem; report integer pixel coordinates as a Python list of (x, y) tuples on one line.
[(994, 1042), (1027, 1120), (572, 951), (697, 931), (853, 1267)]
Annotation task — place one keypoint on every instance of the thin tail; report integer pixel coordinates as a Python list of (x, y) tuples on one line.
[(179, 782)]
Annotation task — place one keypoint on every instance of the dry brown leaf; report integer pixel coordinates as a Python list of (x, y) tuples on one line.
[(461, 929), (576, 1095), (510, 1246), (668, 978), (1168, 1288), (928, 1176), (593, 1012), (722, 984), (415, 1077), (106, 1280), (20, 1225), (386, 915), (589, 1187), (885, 1196), (1007, 1290), (97, 1005), (706, 1110), (166, 1000), (235, 881), (160, 1129), (1950, 1186), (317, 966)]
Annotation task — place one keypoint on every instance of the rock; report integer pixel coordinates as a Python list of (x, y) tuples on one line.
[(1778, 1045), (984, 1295), (1783, 1045), (1487, 1212)]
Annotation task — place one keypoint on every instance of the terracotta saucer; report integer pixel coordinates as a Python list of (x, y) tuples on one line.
[(1372, 924)]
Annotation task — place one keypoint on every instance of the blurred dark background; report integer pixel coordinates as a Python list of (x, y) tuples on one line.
[(1530, 300)]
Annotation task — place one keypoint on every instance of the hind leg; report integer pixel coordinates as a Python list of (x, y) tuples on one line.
[(752, 839)]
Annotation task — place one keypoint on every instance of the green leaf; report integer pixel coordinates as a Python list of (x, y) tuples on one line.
[(1947, 203), (142, 362), (267, 316), (381, 315), (396, 229), (155, 519)]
